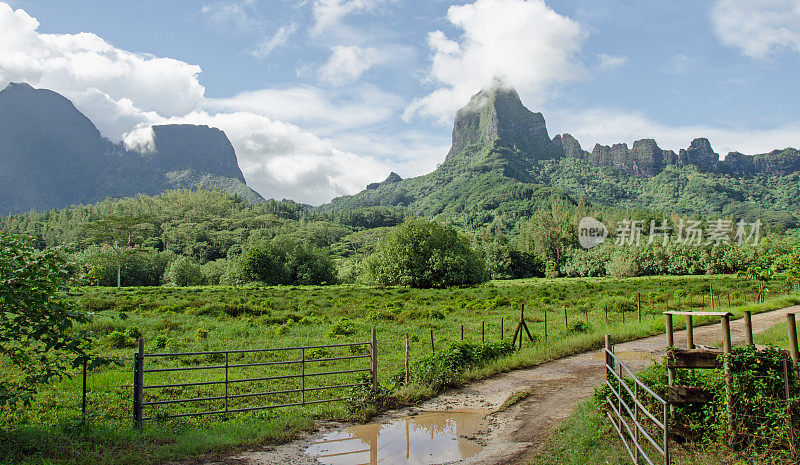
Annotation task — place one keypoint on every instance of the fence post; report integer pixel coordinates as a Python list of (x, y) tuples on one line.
[(689, 332), (639, 305), (226, 381), (138, 388), (83, 404), (545, 323), (407, 350), (483, 332), (711, 290), (462, 332), (501, 328), (566, 320), (726, 348), (608, 359), (374, 359), (303, 372), (793, 337), (433, 348), (605, 307), (748, 327)]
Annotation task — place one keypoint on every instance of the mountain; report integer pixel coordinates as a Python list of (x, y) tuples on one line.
[(502, 166), (52, 156)]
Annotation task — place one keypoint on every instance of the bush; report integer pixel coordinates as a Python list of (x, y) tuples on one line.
[(213, 271), (424, 254), (286, 261), (184, 271), (343, 327), (445, 368)]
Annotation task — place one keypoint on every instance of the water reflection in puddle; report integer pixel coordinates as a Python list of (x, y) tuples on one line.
[(427, 438)]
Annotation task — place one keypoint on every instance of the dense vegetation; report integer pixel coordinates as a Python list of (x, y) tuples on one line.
[(208, 237)]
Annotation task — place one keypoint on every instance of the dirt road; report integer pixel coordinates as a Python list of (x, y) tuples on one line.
[(511, 435)]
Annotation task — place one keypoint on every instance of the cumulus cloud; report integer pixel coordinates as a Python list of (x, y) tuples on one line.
[(609, 126), (279, 159), (347, 63), (328, 13), (608, 62), (73, 63), (525, 43), (758, 28), (280, 38)]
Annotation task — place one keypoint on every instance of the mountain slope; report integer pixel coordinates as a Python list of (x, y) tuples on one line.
[(52, 156), (502, 166)]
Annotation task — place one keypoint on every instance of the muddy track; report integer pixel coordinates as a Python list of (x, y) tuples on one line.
[(512, 435)]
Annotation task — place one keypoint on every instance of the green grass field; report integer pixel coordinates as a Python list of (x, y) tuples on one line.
[(224, 318)]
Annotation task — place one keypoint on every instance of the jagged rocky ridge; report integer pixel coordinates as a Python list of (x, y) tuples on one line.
[(53, 156)]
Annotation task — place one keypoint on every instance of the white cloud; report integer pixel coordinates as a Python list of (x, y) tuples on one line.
[(311, 107), (347, 63), (280, 38), (73, 63), (279, 159), (230, 16), (328, 13), (527, 44), (610, 126), (608, 62), (758, 28)]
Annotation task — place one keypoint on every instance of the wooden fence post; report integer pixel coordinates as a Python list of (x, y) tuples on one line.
[(566, 320), (374, 359), (605, 307), (639, 305), (462, 332), (748, 327), (793, 337), (608, 359), (689, 332), (501, 328), (711, 290), (545, 323), (138, 382), (483, 332), (726, 348), (433, 348), (407, 356)]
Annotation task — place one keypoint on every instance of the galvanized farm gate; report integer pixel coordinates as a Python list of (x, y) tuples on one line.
[(302, 360), (644, 433)]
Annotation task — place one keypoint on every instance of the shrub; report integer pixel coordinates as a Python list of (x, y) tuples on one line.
[(343, 327), (424, 254), (184, 271), (120, 340)]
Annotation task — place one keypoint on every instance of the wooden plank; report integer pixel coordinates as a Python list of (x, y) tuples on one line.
[(693, 358), (689, 394), (673, 312)]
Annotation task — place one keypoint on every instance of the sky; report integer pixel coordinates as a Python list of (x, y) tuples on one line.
[(321, 97)]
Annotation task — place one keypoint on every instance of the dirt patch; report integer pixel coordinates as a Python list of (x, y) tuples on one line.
[(511, 435)]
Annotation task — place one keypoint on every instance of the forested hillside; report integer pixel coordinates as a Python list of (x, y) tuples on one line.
[(503, 166)]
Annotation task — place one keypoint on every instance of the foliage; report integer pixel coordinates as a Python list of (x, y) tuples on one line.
[(445, 367), (285, 261), (37, 334), (183, 271), (424, 254)]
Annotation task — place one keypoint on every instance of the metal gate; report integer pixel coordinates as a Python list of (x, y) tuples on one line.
[(644, 433), (222, 375)]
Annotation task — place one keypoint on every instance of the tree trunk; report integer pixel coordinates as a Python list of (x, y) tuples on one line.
[(119, 274)]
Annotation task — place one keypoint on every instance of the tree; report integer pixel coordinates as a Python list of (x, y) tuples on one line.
[(425, 254), (287, 261), (122, 233), (37, 333), (183, 271)]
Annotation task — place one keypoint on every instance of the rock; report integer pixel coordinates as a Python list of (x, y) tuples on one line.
[(391, 179)]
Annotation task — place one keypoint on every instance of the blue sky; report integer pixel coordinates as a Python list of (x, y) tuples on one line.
[(321, 97)]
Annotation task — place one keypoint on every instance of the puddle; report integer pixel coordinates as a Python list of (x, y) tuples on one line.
[(628, 356), (426, 438)]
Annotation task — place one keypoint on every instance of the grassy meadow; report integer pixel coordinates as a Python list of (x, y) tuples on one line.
[(210, 318)]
